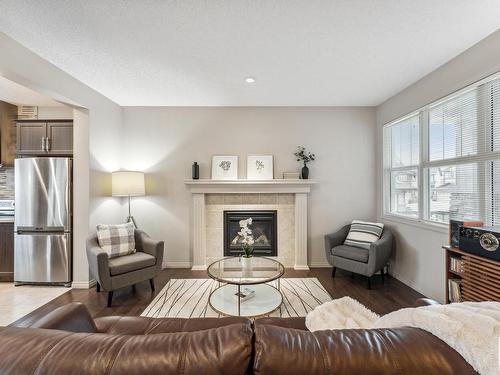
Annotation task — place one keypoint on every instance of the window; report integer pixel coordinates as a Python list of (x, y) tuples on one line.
[(403, 141), (443, 162)]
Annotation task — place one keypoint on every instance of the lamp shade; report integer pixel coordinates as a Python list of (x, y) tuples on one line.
[(127, 183)]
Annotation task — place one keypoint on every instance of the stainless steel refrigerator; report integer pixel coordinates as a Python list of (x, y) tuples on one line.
[(43, 220)]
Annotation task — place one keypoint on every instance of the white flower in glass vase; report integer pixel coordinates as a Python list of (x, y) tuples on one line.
[(247, 240)]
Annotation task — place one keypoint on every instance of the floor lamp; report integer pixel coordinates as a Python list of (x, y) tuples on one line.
[(128, 184)]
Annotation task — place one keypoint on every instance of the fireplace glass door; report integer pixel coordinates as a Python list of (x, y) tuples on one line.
[(264, 232)]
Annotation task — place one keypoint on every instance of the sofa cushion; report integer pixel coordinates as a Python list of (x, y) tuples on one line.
[(131, 262), (398, 351), (116, 240), (363, 233), (223, 350), (351, 252)]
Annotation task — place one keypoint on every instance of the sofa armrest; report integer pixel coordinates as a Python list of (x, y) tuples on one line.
[(73, 317), (336, 239), (146, 244), (98, 263), (380, 251)]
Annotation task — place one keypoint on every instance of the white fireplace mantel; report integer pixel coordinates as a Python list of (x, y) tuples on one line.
[(207, 186), (199, 188)]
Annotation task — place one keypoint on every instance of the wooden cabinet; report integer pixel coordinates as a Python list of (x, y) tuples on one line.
[(44, 137), (6, 251), (60, 138), (470, 277), (31, 138)]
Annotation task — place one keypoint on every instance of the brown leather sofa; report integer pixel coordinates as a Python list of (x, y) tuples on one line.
[(68, 341)]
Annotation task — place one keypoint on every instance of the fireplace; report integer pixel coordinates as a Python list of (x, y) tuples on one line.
[(264, 231)]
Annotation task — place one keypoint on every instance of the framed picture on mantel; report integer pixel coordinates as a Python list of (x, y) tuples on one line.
[(260, 167), (224, 167)]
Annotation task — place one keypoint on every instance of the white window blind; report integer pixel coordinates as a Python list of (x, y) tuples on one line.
[(453, 128), (458, 140)]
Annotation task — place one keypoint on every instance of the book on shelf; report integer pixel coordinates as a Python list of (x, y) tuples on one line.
[(454, 290), (245, 293), (456, 264)]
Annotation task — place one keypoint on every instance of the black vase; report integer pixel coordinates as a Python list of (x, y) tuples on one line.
[(196, 171), (305, 172)]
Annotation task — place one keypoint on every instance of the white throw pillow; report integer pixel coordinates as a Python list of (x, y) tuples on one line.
[(116, 240), (363, 233)]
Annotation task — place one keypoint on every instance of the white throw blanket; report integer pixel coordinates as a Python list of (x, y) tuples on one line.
[(471, 328), (342, 313)]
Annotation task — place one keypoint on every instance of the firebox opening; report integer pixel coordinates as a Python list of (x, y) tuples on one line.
[(264, 231)]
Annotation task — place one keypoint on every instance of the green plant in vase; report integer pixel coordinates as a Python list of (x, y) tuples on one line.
[(305, 157), (247, 242)]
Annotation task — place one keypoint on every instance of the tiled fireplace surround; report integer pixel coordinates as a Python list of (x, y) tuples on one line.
[(211, 198)]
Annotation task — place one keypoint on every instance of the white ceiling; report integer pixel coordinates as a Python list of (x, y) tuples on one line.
[(197, 53), (13, 93)]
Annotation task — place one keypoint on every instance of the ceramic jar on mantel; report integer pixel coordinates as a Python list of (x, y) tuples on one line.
[(195, 171), (304, 172)]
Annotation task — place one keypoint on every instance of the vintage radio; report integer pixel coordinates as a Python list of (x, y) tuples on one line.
[(455, 229), (482, 241)]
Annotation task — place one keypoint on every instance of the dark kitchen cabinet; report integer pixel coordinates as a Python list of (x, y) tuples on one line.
[(31, 138), (6, 251), (60, 138), (44, 137)]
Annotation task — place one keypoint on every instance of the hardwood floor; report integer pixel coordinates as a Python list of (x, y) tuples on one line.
[(382, 298)]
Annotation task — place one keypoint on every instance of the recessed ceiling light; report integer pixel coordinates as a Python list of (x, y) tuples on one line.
[(250, 79)]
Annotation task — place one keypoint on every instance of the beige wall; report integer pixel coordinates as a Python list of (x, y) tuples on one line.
[(419, 260), (97, 144), (164, 142)]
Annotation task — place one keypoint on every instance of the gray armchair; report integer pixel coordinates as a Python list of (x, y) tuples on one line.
[(355, 259), (119, 272)]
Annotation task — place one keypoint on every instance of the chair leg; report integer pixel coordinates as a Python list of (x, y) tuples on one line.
[(333, 272), (98, 287), (110, 298), (369, 282), (152, 283), (133, 288), (382, 273), (352, 275)]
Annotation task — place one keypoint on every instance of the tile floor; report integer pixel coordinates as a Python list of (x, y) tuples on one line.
[(17, 301)]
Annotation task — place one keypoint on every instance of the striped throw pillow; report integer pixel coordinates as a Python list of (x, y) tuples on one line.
[(116, 240), (363, 233)]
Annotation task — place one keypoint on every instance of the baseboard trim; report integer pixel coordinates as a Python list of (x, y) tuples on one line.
[(177, 265), (83, 284), (203, 268), (301, 268), (320, 265), (199, 268), (412, 284)]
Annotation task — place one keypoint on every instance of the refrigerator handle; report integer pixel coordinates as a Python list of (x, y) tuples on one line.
[(31, 229), (47, 144), (43, 144)]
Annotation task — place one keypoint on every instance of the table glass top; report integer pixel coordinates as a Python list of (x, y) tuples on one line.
[(231, 270)]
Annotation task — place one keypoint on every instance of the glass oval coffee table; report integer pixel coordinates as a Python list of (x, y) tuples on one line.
[(236, 281)]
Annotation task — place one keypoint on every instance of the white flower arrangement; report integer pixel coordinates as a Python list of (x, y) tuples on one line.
[(247, 237)]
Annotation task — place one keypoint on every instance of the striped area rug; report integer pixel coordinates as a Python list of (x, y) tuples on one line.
[(188, 298)]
